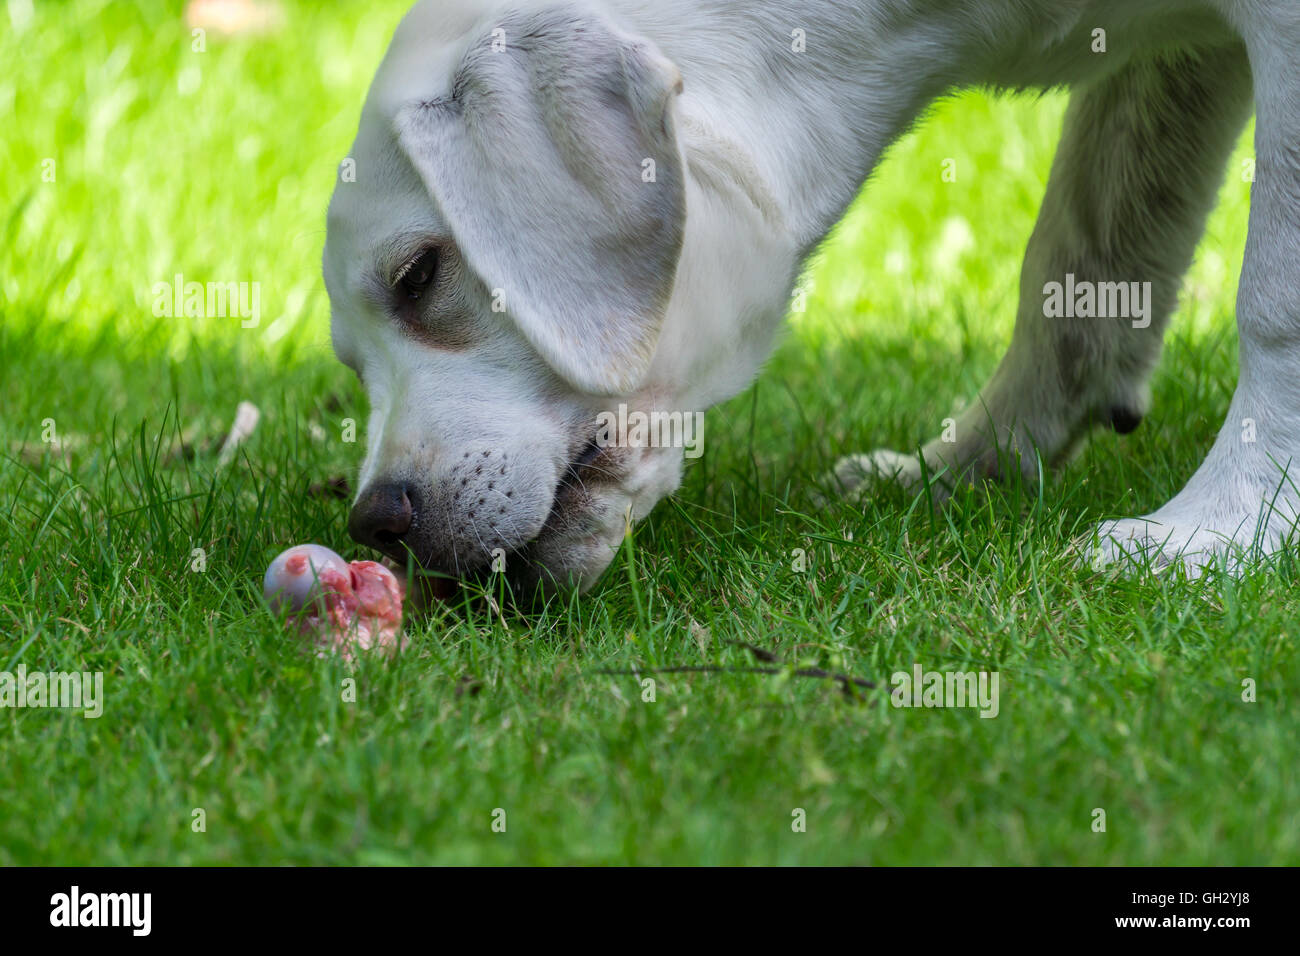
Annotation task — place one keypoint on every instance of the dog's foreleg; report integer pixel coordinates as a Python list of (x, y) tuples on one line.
[(1243, 502), (1135, 175)]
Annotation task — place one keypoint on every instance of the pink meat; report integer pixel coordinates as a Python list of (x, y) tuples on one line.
[(363, 609), (344, 608)]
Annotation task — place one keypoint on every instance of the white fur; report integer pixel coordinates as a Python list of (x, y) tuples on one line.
[(518, 158)]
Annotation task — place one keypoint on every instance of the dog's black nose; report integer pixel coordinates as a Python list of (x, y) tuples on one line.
[(381, 516)]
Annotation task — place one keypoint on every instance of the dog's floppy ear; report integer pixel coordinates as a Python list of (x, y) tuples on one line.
[(556, 165)]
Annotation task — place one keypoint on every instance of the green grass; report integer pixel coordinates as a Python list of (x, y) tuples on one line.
[(1115, 693)]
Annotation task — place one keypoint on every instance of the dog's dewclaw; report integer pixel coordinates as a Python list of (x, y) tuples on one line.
[(342, 607)]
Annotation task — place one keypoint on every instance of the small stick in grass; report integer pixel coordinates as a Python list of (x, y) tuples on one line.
[(846, 681), (247, 416)]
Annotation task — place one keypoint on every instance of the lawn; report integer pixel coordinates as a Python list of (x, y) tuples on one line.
[(127, 548)]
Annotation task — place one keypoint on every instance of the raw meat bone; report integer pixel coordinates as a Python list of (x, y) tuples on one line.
[(343, 607)]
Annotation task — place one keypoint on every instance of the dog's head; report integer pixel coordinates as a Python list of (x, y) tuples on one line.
[(501, 258)]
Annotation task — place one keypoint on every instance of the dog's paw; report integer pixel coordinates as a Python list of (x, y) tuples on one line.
[(858, 475), (855, 474), (1230, 539)]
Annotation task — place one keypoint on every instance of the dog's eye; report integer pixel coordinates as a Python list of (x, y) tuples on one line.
[(415, 277)]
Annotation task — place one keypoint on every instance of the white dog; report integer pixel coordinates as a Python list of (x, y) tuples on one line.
[(556, 209)]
